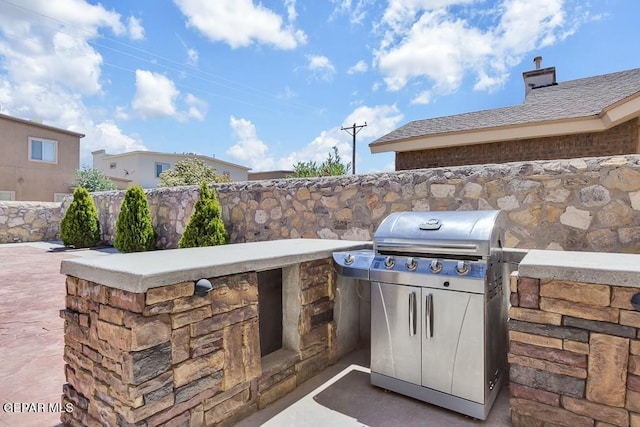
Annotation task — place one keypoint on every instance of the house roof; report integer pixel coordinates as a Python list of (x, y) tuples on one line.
[(600, 102), (176, 155), (40, 125)]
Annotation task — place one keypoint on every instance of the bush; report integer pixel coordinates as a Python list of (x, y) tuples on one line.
[(190, 171), (134, 232), (205, 227), (93, 180), (80, 227)]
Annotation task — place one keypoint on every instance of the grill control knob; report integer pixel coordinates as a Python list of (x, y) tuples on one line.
[(411, 264), (389, 262), (436, 266), (462, 268), (348, 260)]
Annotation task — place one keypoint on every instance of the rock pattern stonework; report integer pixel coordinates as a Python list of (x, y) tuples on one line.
[(167, 357), (574, 354), (29, 221), (590, 204)]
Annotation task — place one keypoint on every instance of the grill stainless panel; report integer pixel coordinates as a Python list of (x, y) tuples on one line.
[(438, 306), (460, 232)]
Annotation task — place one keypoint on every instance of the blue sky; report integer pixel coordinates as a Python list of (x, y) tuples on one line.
[(267, 84)]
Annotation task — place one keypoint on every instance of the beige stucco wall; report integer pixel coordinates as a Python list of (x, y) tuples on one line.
[(35, 181), (142, 166)]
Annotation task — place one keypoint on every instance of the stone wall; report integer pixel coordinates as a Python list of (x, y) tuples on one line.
[(167, 356), (29, 221), (590, 204), (574, 353), (621, 139)]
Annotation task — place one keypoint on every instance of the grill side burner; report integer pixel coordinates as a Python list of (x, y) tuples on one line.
[(438, 307)]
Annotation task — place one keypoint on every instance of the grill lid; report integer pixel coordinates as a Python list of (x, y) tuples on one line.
[(471, 233)]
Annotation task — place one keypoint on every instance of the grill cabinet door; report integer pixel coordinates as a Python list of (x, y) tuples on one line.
[(395, 331), (453, 343)]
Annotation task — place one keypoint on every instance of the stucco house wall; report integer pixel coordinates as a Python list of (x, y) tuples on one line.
[(29, 180), (140, 166)]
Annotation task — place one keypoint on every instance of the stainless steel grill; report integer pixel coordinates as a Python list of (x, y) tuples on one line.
[(438, 307)]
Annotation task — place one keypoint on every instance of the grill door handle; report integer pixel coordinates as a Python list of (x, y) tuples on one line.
[(412, 314), (428, 316)]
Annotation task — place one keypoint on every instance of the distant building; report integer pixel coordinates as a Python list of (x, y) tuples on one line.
[(257, 176), (594, 116), (37, 162), (144, 167)]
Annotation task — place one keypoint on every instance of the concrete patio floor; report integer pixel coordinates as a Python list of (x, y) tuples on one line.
[(32, 291)]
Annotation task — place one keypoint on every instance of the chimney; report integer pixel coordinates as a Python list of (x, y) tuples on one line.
[(538, 61), (540, 77)]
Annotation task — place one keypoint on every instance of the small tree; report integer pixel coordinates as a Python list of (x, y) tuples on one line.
[(331, 166), (205, 227), (80, 227), (190, 171), (134, 232), (93, 180)]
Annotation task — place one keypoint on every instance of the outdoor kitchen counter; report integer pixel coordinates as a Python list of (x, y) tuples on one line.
[(140, 271), (584, 267)]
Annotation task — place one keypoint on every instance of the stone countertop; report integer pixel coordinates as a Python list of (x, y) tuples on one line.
[(140, 271), (586, 267)]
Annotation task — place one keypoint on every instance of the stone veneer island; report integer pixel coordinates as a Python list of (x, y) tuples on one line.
[(574, 335), (142, 350)]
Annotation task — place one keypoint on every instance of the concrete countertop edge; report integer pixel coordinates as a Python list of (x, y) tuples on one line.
[(614, 269), (110, 270)]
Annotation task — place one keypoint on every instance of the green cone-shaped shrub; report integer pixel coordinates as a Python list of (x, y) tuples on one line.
[(134, 232), (80, 227), (205, 227)]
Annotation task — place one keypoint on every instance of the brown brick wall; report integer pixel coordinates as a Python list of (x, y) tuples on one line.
[(621, 139)]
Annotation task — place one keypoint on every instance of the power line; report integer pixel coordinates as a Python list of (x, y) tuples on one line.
[(353, 131), (157, 60)]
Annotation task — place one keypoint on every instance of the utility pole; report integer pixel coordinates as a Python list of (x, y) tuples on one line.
[(353, 131)]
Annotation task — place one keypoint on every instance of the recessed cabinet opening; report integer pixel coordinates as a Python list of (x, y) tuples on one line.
[(270, 306)]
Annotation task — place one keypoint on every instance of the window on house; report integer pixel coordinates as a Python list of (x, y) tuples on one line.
[(112, 165), (161, 167), (59, 197), (43, 150), (7, 195)]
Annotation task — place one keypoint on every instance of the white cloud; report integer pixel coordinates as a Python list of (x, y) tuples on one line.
[(49, 66), (193, 57), (136, 30), (287, 93), (356, 10), (358, 67), (250, 150), (155, 95), (121, 113), (240, 23), (58, 57), (291, 9), (422, 98), (321, 67), (424, 40), (380, 119), (197, 107), (106, 135)]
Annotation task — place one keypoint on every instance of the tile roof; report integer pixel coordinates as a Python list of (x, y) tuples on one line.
[(567, 100)]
